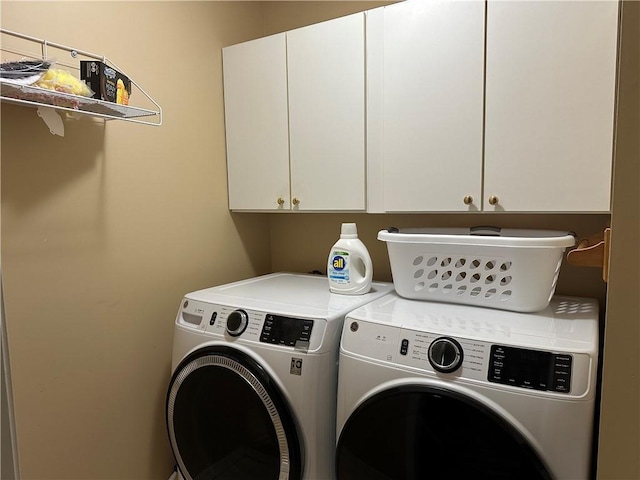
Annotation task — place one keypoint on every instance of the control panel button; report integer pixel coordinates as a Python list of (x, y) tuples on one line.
[(562, 373), (214, 315), (404, 346)]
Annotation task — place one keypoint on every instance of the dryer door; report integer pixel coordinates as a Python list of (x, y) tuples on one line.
[(422, 432), (227, 419)]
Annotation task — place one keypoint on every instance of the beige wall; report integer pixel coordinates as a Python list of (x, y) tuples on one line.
[(104, 230), (282, 16), (302, 242), (619, 454)]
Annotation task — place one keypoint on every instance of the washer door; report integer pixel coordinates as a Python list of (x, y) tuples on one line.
[(227, 419), (421, 432)]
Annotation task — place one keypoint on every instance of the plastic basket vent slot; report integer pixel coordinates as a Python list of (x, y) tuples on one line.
[(458, 274)]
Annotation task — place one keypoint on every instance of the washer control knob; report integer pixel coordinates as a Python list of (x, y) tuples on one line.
[(445, 354), (237, 322)]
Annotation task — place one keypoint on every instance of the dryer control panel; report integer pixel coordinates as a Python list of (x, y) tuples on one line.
[(248, 325)]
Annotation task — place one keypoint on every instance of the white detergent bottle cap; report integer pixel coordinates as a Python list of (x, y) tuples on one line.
[(349, 230)]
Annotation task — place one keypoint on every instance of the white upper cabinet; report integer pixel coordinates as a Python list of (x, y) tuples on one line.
[(541, 79), (550, 94), (425, 106), (295, 119), (327, 114), (460, 106), (257, 123)]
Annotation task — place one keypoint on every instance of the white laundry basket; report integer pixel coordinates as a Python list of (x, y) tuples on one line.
[(508, 269)]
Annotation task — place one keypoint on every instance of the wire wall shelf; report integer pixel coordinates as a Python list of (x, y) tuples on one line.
[(51, 102)]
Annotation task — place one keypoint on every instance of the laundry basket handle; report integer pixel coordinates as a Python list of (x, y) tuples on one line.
[(485, 230)]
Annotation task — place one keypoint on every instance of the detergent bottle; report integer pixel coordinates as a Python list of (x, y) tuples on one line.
[(349, 268)]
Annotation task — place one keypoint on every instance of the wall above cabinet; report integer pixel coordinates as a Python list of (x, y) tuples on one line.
[(51, 102)]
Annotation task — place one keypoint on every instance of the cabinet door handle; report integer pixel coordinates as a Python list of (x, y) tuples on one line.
[(295, 201), (493, 200), (468, 200), (280, 201)]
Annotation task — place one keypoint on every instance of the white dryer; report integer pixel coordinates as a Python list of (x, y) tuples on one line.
[(253, 390), (431, 390)]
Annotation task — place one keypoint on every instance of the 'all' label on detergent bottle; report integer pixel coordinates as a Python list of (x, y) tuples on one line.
[(349, 267)]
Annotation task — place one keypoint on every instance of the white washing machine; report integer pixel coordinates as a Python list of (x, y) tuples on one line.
[(432, 390), (253, 390)]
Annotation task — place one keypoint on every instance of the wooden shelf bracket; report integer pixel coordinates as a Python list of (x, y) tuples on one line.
[(593, 251)]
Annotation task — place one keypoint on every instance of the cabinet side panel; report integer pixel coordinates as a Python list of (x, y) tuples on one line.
[(255, 99), (549, 104), (326, 111)]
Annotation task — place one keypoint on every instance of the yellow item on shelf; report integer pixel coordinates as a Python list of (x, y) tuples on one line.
[(63, 81), (122, 96)]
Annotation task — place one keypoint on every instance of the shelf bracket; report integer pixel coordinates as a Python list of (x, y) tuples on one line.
[(593, 251), (52, 119)]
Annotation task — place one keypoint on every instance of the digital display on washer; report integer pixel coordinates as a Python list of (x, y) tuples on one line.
[(530, 369), (287, 331)]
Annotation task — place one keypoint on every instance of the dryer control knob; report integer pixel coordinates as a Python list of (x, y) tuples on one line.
[(237, 322), (445, 354)]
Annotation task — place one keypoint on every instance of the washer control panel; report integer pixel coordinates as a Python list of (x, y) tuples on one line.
[(460, 358), (526, 368)]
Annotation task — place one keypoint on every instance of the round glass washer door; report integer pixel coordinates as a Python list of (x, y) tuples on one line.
[(228, 420), (421, 432)]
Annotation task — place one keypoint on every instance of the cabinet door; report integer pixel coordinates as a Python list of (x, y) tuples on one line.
[(426, 81), (327, 114), (550, 104), (255, 99)]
